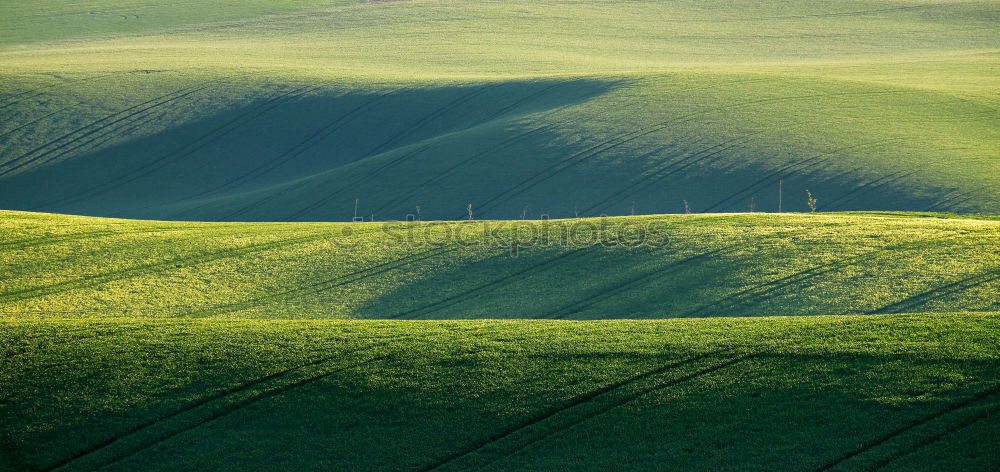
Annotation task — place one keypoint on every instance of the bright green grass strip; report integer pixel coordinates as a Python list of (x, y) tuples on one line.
[(626, 267), (435, 38)]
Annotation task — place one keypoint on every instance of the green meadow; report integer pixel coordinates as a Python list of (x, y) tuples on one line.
[(288, 111), (429, 235), (886, 392), (616, 267), (154, 345)]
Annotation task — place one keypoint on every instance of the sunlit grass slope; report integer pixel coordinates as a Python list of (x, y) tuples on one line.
[(291, 110), (886, 392), (625, 267)]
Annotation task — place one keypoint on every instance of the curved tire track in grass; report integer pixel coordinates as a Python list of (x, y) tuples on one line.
[(797, 166), (224, 410), (89, 129), (880, 182), (581, 305), (152, 268), (293, 152), (582, 399), (206, 139), (125, 127), (510, 141), (759, 292), (391, 142), (616, 141), (870, 445), (670, 169), (450, 301), (339, 192), (912, 302), (436, 178), (36, 120), (322, 286), (372, 174), (931, 440), (40, 90)]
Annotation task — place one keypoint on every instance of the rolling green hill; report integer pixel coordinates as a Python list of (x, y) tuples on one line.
[(621, 267), (214, 309), (289, 111), (846, 393)]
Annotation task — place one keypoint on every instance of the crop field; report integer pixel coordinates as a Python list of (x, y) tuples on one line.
[(886, 392), (620, 267), (458, 235), (288, 111)]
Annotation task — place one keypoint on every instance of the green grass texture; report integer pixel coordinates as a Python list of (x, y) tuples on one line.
[(590, 268), (909, 392), (291, 110)]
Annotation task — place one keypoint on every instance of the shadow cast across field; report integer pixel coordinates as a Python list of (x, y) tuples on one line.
[(212, 167), (703, 410), (787, 273), (513, 149)]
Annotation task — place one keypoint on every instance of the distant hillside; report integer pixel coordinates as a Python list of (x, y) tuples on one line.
[(289, 111)]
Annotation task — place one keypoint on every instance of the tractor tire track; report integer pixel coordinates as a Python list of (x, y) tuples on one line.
[(83, 133), (201, 142), (633, 282), (521, 101), (295, 151), (386, 147), (265, 394), (955, 198), (614, 142), (151, 268), (671, 169), (393, 162), (927, 442), (453, 300), (228, 409), (36, 120), (626, 400), (688, 89), (870, 445), (880, 182), (797, 166), (583, 399), (476, 158), (759, 292), (644, 278), (89, 130), (325, 285), (39, 91), (127, 128), (330, 197), (912, 302), (389, 144), (499, 147)]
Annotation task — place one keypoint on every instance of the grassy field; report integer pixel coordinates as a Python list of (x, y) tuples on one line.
[(621, 267), (288, 111), (887, 392), (214, 309)]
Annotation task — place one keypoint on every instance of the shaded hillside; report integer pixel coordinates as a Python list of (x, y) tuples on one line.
[(291, 111), (897, 392)]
